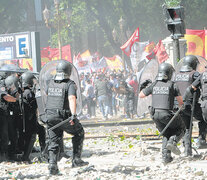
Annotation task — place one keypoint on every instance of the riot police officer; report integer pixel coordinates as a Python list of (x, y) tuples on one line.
[(60, 105), (5, 98), (183, 79), (201, 82), (163, 91), (29, 127), (14, 119)]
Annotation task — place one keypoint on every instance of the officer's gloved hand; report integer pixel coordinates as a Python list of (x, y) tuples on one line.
[(73, 120), (145, 84), (188, 93)]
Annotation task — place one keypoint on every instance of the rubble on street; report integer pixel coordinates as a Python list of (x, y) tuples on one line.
[(115, 155)]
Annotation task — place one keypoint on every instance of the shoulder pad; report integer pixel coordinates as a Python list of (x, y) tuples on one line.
[(196, 75)]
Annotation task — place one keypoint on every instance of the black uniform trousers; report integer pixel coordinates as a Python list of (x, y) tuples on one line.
[(161, 118), (13, 135), (55, 136), (4, 138), (198, 111), (204, 109)]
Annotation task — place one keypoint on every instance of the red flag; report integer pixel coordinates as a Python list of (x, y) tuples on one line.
[(160, 52), (195, 42), (128, 45), (151, 55), (53, 53), (66, 53)]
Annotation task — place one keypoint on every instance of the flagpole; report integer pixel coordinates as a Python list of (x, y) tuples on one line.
[(121, 24), (58, 29)]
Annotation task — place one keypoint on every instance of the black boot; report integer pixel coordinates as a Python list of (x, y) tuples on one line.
[(202, 135), (78, 162), (187, 143), (201, 141), (172, 145), (53, 168), (77, 150), (4, 157), (28, 148), (166, 154)]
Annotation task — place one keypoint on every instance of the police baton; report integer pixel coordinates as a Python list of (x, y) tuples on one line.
[(173, 118), (59, 124), (191, 117), (22, 105)]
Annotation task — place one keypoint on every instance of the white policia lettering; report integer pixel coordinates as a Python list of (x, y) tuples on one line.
[(161, 90), (55, 92), (182, 77)]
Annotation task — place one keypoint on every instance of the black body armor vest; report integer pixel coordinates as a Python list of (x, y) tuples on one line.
[(39, 101), (3, 103), (204, 85), (57, 96), (163, 95), (183, 80)]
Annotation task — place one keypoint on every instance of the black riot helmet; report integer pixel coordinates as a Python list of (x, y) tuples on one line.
[(11, 82), (63, 71), (27, 79), (189, 63), (3, 75), (165, 72)]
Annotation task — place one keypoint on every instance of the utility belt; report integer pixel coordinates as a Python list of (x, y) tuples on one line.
[(152, 110), (64, 113)]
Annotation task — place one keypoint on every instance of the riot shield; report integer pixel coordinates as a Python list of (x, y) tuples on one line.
[(9, 67), (149, 71), (47, 73), (200, 67)]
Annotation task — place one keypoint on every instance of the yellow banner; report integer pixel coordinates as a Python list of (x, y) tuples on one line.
[(195, 42), (115, 64)]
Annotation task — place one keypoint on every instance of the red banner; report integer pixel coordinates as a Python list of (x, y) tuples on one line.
[(195, 42), (128, 45), (49, 54), (160, 52)]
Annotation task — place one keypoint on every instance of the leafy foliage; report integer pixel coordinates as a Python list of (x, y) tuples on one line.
[(92, 22), (172, 3), (131, 146), (122, 138)]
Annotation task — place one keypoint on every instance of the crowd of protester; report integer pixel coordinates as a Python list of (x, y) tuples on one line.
[(112, 93)]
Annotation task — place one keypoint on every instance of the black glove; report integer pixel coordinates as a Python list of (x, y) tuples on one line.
[(74, 118), (188, 93), (145, 84)]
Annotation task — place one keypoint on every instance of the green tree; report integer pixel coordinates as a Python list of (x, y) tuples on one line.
[(103, 16), (96, 19), (12, 15)]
